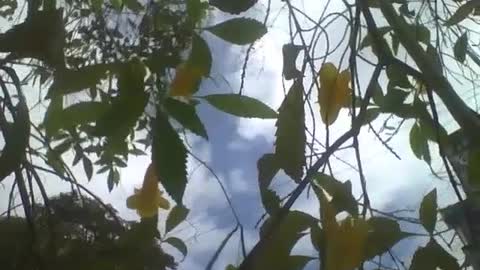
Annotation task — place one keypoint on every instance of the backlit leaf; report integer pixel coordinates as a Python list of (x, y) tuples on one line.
[(462, 12), (342, 198), (334, 92), (384, 234), (428, 211), (290, 54), (88, 167), (290, 134), (419, 143), (267, 169), (233, 7), (241, 106), (186, 115), (240, 31), (178, 244), (433, 256), (176, 216), (460, 48), (186, 81), (200, 56), (169, 156)]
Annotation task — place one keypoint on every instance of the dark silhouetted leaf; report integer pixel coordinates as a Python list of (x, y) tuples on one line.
[(370, 115), (233, 6), (290, 134), (176, 216), (178, 244), (428, 211), (186, 115), (473, 169), (460, 48), (88, 167), (290, 53), (397, 76), (342, 198), (240, 31), (384, 234), (270, 201), (433, 256), (169, 157), (200, 56), (368, 39), (317, 237), (241, 106), (267, 169), (419, 143), (462, 12)]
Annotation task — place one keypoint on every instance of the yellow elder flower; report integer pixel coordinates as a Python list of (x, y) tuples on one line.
[(334, 92), (148, 198), (186, 80)]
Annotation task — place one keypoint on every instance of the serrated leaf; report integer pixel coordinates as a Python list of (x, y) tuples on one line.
[(241, 106), (88, 168), (233, 7), (186, 115), (384, 234), (284, 239), (460, 48), (462, 12), (433, 256), (342, 197), (240, 31), (178, 244), (428, 211), (290, 54), (334, 92), (169, 156), (176, 216), (290, 135)]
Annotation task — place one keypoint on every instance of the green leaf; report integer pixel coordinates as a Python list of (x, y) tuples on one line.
[(317, 237), (233, 7), (277, 251), (169, 156), (270, 201), (200, 56), (297, 262), (117, 4), (462, 12), (88, 168), (96, 5), (133, 5), (473, 168), (290, 54), (241, 106), (342, 197), (395, 43), (177, 215), (419, 143), (70, 81), (397, 76), (230, 266), (368, 39), (112, 179), (290, 135), (178, 244), (370, 115), (378, 95), (428, 211), (433, 54), (433, 256), (186, 115), (267, 169), (460, 48), (240, 31), (384, 234)]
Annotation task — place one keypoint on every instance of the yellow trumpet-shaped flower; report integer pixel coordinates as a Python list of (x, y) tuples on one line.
[(148, 198), (334, 92)]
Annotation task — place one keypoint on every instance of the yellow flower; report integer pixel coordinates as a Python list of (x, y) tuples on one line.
[(334, 92), (148, 199)]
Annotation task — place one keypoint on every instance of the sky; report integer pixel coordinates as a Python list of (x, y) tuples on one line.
[(236, 144)]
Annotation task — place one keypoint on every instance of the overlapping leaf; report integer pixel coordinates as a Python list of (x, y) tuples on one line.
[(290, 134), (428, 211), (186, 115)]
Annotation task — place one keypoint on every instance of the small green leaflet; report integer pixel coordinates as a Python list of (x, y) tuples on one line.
[(88, 168), (186, 115), (176, 216), (240, 31), (241, 106), (290, 135), (169, 156), (428, 211), (178, 244), (460, 48)]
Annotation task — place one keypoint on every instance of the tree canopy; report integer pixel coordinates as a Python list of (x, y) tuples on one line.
[(94, 83)]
